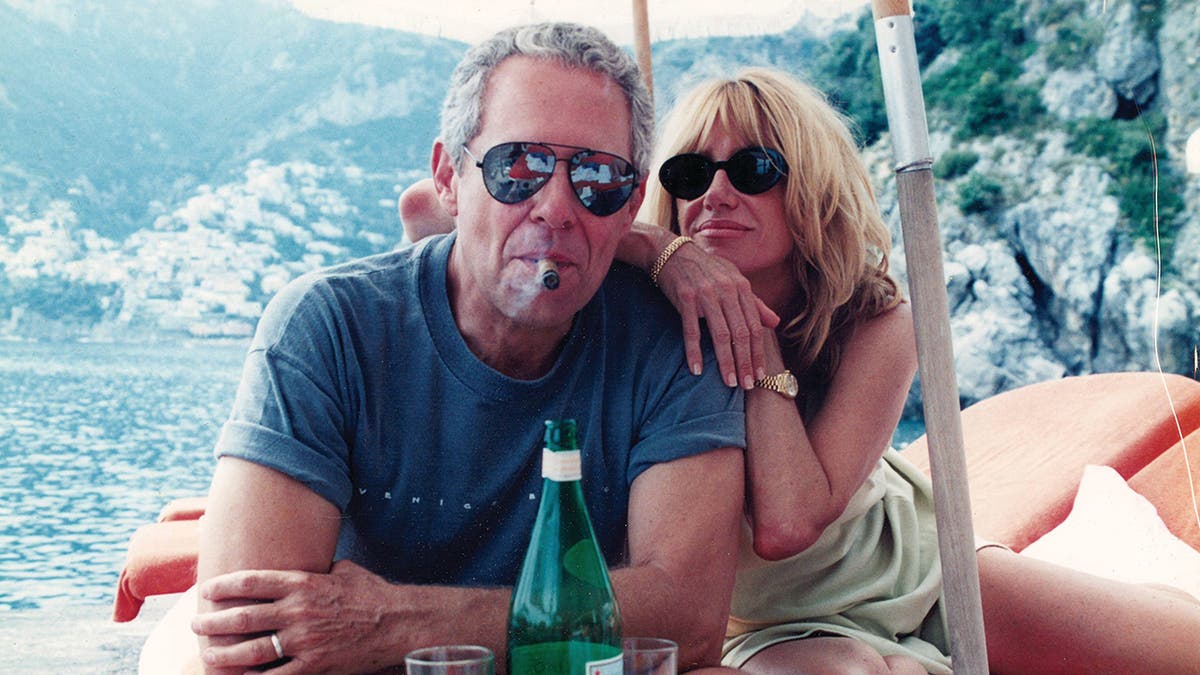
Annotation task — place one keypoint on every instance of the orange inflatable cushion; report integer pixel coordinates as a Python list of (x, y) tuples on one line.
[(161, 559), (1165, 483), (1026, 448)]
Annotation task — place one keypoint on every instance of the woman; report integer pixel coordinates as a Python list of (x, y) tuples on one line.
[(843, 566)]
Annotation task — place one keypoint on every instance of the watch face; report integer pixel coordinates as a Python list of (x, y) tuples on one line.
[(790, 385)]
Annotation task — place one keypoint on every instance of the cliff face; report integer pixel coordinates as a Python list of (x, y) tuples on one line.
[(161, 176), (1050, 278), (1179, 38)]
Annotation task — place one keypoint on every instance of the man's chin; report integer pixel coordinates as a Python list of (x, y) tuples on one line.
[(538, 307), (544, 312)]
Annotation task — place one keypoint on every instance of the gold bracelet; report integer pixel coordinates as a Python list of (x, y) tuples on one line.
[(666, 254)]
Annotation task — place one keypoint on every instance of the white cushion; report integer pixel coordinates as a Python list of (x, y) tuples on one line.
[(1114, 532)]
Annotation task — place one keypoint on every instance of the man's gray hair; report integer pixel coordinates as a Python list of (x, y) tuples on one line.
[(570, 44)]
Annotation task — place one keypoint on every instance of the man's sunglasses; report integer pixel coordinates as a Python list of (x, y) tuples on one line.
[(752, 171), (514, 172)]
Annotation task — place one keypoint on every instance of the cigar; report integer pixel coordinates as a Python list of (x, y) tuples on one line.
[(548, 273)]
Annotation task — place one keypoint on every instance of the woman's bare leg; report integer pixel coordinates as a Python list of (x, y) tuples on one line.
[(826, 656), (1040, 616), (903, 665)]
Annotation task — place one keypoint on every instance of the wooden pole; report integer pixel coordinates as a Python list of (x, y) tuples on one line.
[(641, 42), (931, 314)]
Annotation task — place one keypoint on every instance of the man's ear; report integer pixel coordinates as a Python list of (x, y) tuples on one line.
[(445, 178)]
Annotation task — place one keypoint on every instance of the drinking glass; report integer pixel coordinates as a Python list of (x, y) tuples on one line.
[(649, 656), (449, 660)]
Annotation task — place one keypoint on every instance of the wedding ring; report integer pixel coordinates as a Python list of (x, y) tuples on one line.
[(278, 647)]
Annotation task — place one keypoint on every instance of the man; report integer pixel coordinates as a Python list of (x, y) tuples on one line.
[(391, 409)]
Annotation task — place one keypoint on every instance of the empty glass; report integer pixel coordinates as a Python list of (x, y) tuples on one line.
[(450, 660), (650, 656)]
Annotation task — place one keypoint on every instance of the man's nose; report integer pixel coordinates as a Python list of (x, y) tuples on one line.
[(556, 203)]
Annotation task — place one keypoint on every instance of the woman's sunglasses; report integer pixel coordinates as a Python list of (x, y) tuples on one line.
[(751, 170), (514, 172)]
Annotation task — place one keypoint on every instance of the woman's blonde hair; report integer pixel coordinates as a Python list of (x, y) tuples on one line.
[(840, 242)]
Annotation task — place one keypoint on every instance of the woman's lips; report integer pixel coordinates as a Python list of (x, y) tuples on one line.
[(718, 229)]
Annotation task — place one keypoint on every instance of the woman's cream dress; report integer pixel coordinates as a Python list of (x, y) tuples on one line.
[(874, 575)]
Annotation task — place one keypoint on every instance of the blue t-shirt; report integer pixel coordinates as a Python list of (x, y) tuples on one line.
[(359, 385)]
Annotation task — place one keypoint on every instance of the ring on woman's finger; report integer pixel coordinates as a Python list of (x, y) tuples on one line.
[(278, 647)]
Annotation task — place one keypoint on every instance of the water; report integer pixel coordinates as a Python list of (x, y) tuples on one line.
[(94, 440), (907, 431)]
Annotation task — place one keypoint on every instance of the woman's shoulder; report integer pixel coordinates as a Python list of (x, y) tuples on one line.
[(887, 326), (886, 338)]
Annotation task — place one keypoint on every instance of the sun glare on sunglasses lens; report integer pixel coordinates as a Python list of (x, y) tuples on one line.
[(514, 172)]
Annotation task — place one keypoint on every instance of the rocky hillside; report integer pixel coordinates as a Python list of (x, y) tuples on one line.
[(1071, 228), (165, 166)]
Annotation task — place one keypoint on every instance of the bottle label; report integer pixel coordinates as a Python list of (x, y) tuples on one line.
[(564, 658), (562, 466), (612, 666)]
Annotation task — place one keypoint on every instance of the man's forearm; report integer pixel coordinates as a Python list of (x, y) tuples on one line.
[(654, 605), (347, 620), (422, 616)]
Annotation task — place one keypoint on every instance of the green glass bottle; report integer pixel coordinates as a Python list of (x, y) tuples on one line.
[(563, 619)]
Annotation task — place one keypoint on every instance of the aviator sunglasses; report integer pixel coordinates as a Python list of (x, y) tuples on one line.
[(514, 172), (752, 171)]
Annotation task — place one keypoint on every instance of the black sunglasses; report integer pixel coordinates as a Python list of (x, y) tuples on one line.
[(514, 172), (752, 171)]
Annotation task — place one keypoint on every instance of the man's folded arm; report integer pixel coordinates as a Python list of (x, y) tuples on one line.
[(684, 519)]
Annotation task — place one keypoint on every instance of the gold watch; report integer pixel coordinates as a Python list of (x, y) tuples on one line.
[(784, 383)]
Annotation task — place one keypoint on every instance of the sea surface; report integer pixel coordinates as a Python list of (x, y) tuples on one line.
[(94, 440)]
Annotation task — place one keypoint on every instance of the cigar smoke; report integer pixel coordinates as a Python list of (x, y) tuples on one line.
[(548, 273)]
